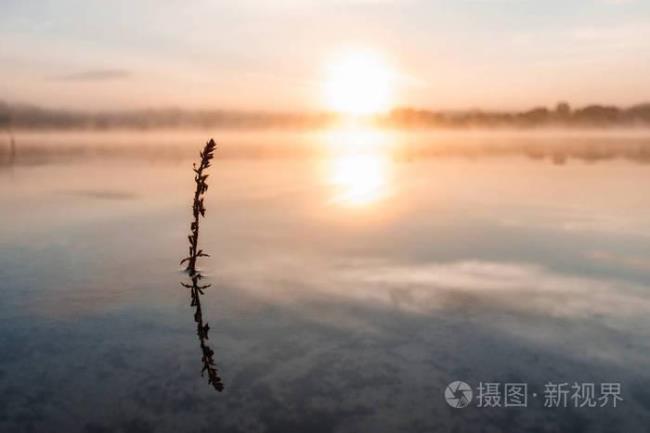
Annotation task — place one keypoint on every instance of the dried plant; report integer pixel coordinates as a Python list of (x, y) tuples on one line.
[(196, 288)]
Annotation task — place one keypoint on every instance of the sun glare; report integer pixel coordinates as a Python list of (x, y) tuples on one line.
[(358, 83)]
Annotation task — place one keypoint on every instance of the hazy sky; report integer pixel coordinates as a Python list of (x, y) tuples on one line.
[(272, 54)]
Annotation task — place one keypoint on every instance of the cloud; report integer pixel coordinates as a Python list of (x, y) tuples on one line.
[(97, 75)]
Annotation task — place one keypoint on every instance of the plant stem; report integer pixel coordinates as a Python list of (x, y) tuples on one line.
[(196, 289)]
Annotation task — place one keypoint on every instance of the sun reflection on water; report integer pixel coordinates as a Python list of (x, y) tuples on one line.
[(359, 165), (359, 179)]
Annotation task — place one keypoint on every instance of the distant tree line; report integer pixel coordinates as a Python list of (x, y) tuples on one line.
[(33, 117), (601, 116), (561, 116)]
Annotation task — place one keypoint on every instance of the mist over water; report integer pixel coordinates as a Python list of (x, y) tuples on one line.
[(355, 273)]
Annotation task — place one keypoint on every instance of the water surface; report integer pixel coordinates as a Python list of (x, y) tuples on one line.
[(355, 274)]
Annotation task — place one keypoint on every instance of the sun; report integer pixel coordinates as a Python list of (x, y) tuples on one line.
[(358, 83)]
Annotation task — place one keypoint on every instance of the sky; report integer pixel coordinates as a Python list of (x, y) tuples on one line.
[(274, 54)]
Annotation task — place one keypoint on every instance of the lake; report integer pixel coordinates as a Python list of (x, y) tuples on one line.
[(355, 274)]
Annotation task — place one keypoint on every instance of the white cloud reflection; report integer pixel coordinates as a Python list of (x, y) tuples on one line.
[(473, 286)]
